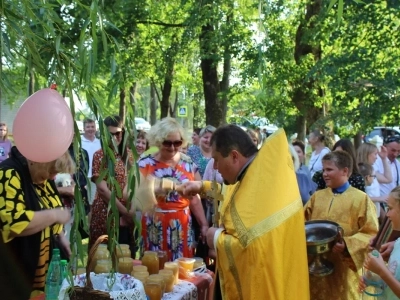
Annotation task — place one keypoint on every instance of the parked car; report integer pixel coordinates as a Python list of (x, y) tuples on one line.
[(142, 124), (263, 123), (383, 132)]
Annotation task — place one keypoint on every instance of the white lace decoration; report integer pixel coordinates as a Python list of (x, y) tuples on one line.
[(122, 287)]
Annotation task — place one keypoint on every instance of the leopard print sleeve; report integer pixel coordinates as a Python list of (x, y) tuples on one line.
[(13, 214)]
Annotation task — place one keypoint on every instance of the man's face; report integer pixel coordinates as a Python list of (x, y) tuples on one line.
[(393, 150), (90, 129), (225, 166), (333, 176)]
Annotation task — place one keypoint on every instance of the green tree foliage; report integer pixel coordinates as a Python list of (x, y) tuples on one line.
[(346, 75)]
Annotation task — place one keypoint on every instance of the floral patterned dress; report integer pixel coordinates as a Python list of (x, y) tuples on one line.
[(169, 226), (198, 158), (98, 222)]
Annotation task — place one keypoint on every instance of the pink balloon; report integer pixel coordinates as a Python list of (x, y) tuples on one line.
[(43, 127)]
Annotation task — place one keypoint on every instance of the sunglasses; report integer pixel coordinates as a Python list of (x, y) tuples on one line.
[(168, 144), (117, 134), (391, 139)]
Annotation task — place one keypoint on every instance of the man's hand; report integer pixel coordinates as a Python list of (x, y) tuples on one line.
[(212, 253), (210, 237), (339, 246), (383, 153), (190, 188)]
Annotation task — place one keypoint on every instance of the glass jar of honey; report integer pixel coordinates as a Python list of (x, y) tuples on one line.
[(157, 279), (125, 265), (103, 266), (169, 279), (162, 259), (150, 260), (123, 250), (153, 290), (101, 253), (139, 268), (142, 276), (174, 267)]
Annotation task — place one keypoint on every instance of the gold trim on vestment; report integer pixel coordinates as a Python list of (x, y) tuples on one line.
[(246, 236), (232, 266)]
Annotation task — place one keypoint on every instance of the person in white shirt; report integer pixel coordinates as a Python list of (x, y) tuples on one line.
[(392, 144), (368, 153), (91, 144), (316, 140)]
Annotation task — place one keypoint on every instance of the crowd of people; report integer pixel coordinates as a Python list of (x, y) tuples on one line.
[(262, 204)]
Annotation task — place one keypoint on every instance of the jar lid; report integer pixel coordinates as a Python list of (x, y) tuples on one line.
[(103, 262), (125, 259)]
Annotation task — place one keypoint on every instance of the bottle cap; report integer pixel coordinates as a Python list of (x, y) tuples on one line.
[(375, 253), (56, 251), (63, 262)]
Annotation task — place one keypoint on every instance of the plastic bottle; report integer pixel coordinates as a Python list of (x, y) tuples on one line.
[(64, 270), (53, 276), (373, 281)]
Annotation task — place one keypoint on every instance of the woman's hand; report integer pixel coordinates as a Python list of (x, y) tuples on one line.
[(375, 264), (383, 153), (67, 191), (64, 243), (127, 218), (203, 233), (361, 285), (386, 249), (61, 215)]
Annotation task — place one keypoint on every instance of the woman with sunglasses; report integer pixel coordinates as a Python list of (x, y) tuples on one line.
[(123, 160), (169, 226)]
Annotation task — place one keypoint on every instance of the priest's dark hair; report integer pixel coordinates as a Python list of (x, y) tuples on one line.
[(231, 137)]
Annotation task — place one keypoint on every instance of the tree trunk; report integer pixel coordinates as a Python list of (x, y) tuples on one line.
[(224, 84), (304, 95), (122, 104), (31, 82), (210, 76), (173, 109), (166, 90), (132, 96), (357, 140), (301, 125), (196, 110), (153, 104)]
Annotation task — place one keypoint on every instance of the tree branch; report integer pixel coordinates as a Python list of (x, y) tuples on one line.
[(161, 23)]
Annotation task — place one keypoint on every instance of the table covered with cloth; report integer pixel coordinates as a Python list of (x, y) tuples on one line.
[(195, 288)]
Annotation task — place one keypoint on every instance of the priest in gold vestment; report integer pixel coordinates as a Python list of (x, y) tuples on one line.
[(260, 244), (353, 210)]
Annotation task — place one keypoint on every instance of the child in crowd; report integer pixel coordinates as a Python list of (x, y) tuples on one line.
[(390, 274), (367, 172), (353, 210)]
